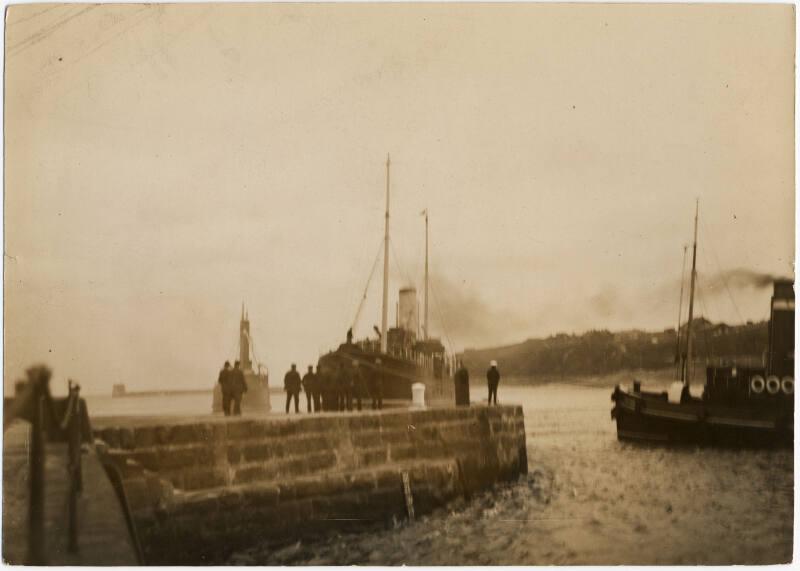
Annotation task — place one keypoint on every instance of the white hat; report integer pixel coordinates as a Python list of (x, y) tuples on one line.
[(492, 363)]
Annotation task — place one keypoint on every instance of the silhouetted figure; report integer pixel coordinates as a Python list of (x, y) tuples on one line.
[(462, 385), (224, 381), (291, 384), (350, 336), (376, 386), (359, 384), (323, 387), (493, 379), (238, 388), (344, 381), (308, 382), (316, 391)]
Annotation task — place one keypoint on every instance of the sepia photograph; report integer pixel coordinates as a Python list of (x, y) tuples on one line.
[(385, 284)]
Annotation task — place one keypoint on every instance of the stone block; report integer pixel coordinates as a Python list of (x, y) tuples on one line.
[(321, 461), (198, 478), (374, 457), (402, 453), (261, 495), (202, 505), (395, 436), (254, 473)]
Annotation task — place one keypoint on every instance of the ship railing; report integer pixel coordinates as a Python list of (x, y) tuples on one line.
[(34, 404)]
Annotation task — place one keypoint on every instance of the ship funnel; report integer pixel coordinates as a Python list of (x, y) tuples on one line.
[(409, 310)]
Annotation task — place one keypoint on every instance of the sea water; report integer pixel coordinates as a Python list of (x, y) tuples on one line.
[(588, 498)]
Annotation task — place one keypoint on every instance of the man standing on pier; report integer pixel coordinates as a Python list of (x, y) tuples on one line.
[(462, 385), (493, 379), (224, 381), (238, 388), (291, 384), (309, 381), (359, 384), (376, 386)]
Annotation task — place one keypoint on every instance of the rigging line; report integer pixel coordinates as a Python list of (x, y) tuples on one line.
[(366, 288), (719, 269), (441, 317), (709, 348)]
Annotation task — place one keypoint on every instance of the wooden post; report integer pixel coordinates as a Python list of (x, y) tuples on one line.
[(36, 539)]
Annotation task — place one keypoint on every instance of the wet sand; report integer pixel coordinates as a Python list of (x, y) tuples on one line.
[(588, 499)]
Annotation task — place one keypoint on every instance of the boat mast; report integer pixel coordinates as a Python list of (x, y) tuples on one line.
[(679, 357), (426, 275), (688, 378), (385, 312)]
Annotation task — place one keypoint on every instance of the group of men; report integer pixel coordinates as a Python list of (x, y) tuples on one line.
[(335, 387), (233, 387)]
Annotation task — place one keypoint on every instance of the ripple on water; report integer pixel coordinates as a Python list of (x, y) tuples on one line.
[(589, 499)]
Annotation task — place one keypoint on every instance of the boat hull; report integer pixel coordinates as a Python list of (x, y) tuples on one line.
[(399, 374), (650, 417)]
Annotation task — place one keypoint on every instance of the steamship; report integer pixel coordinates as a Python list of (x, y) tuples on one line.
[(408, 355), (739, 406), (256, 399)]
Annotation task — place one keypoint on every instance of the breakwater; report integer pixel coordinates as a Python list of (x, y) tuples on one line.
[(200, 489)]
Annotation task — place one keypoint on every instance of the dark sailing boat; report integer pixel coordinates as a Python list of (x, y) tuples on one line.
[(740, 406), (406, 357)]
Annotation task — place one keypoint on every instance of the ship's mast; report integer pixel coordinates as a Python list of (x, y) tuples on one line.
[(426, 275), (385, 312), (678, 355), (688, 377)]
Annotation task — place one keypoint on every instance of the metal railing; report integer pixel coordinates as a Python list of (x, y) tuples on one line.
[(56, 420)]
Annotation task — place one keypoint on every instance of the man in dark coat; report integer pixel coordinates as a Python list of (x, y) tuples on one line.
[(224, 381), (376, 385), (238, 388), (308, 382), (462, 385), (316, 391), (344, 387), (493, 379), (291, 384), (359, 384)]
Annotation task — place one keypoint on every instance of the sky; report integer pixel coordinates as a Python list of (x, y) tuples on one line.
[(165, 164)]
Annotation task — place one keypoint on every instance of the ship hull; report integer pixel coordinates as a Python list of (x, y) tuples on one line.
[(650, 417), (399, 374)]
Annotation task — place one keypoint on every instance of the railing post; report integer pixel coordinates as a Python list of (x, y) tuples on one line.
[(36, 540), (73, 430)]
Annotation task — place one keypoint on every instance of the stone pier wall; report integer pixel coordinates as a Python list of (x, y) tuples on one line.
[(200, 489)]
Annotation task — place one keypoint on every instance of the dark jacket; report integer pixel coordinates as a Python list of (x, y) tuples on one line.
[(291, 382), (225, 380), (493, 376), (309, 383), (344, 379), (359, 383), (376, 382), (237, 382), (462, 376)]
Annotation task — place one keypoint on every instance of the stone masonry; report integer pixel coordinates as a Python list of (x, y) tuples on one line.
[(200, 489)]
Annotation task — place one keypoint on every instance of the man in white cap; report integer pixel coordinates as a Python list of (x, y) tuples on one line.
[(493, 379)]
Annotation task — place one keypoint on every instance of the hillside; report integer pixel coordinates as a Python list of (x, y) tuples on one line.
[(605, 352)]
